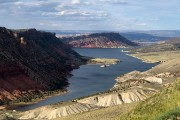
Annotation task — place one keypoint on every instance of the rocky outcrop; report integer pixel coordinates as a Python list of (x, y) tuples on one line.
[(33, 61), (99, 40), (154, 79), (166, 74)]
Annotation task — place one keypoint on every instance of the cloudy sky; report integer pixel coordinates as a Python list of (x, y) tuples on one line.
[(91, 14)]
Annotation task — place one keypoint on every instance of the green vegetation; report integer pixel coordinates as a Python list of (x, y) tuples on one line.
[(172, 114), (162, 106)]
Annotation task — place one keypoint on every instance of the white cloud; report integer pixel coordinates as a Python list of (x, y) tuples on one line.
[(62, 13), (75, 2), (78, 2), (75, 14), (142, 24), (54, 25), (18, 3), (31, 4), (154, 19), (114, 1), (89, 3), (92, 24), (41, 24), (7, 1), (120, 25)]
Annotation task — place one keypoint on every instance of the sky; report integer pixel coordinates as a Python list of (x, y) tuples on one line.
[(115, 15)]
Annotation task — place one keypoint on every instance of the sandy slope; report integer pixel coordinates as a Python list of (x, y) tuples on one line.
[(49, 112), (135, 94)]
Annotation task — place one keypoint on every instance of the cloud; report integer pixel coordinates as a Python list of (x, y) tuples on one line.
[(120, 25), (92, 24), (32, 3), (7, 1), (76, 14), (142, 24), (114, 1), (154, 19), (63, 6), (54, 25), (99, 14), (78, 2), (41, 24), (75, 2)]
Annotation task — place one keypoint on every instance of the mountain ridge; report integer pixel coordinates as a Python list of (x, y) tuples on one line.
[(99, 40)]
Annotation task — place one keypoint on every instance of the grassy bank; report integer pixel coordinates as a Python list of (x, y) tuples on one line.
[(162, 106)]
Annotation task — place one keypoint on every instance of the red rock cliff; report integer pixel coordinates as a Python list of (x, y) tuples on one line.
[(32, 61)]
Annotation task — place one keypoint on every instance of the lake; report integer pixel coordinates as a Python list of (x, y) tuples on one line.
[(91, 79)]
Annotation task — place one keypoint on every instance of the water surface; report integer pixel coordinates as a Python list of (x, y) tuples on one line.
[(91, 79)]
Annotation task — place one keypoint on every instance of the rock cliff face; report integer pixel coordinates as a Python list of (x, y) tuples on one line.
[(99, 40), (33, 61)]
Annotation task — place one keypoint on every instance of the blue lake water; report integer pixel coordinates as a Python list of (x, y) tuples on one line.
[(91, 79)]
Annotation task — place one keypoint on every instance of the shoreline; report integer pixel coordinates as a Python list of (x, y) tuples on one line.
[(17, 105), (133, 55), (14, 106), (102, 97)]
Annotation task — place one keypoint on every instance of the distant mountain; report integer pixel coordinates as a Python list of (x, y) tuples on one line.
[(164, 33), (73, 32), (151, 35), (170, 45), (32, 61), (143, 37), (98, 40), (135, 36)]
